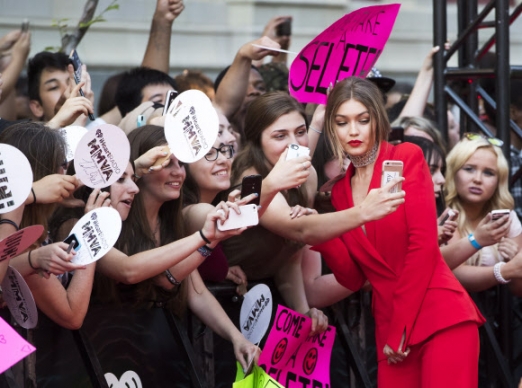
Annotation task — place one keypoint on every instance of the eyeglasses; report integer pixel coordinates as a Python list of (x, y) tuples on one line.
[(492, 140), (226, 150)]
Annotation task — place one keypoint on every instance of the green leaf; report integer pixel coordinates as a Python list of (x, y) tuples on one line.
[(111, 7)]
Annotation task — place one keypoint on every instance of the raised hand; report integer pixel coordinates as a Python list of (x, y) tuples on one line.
[(380, 202)]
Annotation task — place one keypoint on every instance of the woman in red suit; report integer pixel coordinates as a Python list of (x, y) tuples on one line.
[(426, 324)]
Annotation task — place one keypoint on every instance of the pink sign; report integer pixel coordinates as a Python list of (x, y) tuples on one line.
[(292, 356), (16, 243), (349, 47), (12, 347)]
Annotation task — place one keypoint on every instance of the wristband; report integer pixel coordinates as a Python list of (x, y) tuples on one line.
[(471, 238), (172, 280), (315, 130), (29, 259), (12, 223), (204, 237), (498, 275), (34, 196)]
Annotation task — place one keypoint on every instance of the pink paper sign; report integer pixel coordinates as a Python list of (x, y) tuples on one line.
[(292, 357), (12, 346), (19, 241), (349, 47)]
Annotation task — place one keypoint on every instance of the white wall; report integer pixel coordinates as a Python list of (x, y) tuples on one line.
[(209, 32)]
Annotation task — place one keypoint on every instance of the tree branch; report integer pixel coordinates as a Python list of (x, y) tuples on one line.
[(72, 40)]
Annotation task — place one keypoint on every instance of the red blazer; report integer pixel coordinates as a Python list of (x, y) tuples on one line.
[(414, 291)]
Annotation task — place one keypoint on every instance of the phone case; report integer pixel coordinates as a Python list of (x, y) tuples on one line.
[(248, 217), (252, 184), (295, 150), (77, 65), (171, 95), (496, 214), (70, 239), (390, 170)]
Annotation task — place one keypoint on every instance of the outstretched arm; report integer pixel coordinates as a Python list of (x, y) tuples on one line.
[(233, 87), (421, 90), (157, 53)]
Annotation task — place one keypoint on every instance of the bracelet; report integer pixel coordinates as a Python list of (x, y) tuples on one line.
[(30, 263), (204, 237), (34, 196), (498, 275), (12, 223), (172, 280), (471, 238), (205, 251), (315, 130)]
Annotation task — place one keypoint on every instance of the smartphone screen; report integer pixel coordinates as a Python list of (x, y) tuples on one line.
[(391, 169), (252, 184), (73, 239)]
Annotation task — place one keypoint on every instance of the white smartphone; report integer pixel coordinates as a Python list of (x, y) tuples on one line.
[(295, 150), (392, 169), (248, 217), (496, 214)]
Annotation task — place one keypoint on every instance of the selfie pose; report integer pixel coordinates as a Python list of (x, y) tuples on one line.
[(425, 320), (485, 250)]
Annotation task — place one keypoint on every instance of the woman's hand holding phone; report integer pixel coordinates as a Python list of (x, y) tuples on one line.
[(289, 174), (97, 199), (489, 231), (381, 202), (447, 225)]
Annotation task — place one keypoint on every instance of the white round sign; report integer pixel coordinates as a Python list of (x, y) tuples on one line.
[(96, 233), (102, 156), (16, 178), (191, 126), (72, 135), (19, 299), (256, 312)]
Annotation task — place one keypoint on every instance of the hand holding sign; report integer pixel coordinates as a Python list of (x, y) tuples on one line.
[(56, 188), (95, 234), (191, 126), (16, 178), (259, 48), (349, 47)]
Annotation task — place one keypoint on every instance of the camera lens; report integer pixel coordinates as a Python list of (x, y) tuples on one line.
[(294, 146)]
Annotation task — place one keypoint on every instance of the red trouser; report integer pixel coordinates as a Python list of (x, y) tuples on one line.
[(447, 359)]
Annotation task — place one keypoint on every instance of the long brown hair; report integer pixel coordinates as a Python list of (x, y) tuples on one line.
[(262, 113), (45, 148), (368, 94), (136, 235)]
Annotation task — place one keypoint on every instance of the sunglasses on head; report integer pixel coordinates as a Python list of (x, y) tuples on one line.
[(492, 140)]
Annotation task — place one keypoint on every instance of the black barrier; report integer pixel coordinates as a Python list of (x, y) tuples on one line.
[(152, 348)]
